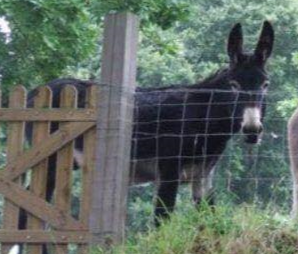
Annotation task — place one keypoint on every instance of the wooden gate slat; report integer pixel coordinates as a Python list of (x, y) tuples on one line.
[(88, 166), (39, 173), (43, 150), (41, 236), (38, 207), (15, 140), (54, 114), (62, 198)]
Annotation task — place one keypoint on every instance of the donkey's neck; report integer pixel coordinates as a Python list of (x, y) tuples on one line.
[(218, 80)]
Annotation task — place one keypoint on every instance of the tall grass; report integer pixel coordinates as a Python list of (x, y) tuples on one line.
[(224, 230)]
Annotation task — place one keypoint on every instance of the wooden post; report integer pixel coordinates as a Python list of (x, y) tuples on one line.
[(39, 173), (114, 128)]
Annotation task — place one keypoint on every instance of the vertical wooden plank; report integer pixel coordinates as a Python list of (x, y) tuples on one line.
[(88, 166), (62, 197), (115, 109), (39, 173), (15, 140)]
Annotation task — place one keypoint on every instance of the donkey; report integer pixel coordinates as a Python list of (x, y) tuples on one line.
[(180, 132), (293, 153)]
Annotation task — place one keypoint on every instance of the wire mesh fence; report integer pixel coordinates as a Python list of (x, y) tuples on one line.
[(193, 137), (197, 136)]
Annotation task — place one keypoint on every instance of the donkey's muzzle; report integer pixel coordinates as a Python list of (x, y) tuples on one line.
[(252, 134)]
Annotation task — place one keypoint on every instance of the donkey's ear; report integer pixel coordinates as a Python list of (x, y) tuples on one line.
[(265, 43), (235, 43)]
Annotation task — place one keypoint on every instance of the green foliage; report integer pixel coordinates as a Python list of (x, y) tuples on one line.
[(156, 68), (225, 230), (46, 36), (164, 13), (139, 208), (50, 38)]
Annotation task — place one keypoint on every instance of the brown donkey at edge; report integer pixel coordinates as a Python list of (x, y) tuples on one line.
[(293, 154)]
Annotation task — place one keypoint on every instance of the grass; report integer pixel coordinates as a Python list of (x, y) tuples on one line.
[(240, 230)]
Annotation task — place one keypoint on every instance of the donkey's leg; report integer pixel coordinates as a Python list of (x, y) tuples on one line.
[(50, 187), (51, 177), (293, 152), (167, 189), (202, 186)]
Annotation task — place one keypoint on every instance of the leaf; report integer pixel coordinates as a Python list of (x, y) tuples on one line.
[(50, 43)]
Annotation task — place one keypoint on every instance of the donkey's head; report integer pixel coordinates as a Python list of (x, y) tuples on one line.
[(248, 79)]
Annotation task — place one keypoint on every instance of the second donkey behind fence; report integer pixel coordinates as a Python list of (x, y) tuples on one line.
[(293, 154), (180, 132)]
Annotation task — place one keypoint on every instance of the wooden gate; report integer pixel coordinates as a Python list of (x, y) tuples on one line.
[(106, 128), (47, 222)]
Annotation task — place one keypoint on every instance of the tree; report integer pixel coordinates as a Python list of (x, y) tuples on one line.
[(50, 37)]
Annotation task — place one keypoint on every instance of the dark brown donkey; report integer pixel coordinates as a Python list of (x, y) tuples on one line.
[(180, 132)]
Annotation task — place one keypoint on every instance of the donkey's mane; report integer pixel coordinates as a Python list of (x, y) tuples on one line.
[(210, 82)]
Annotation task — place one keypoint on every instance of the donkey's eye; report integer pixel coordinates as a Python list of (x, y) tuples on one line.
[(235, 85), (265, 84)]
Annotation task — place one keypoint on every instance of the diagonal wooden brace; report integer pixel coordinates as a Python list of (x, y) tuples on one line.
[(38, 207), (27, 200), (44, 149)]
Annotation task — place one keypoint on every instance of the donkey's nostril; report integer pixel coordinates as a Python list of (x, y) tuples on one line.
[(252, 133), (252, 129)]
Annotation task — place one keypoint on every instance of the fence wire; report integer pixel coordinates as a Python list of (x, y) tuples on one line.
[(200, 130), (197, 131)]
